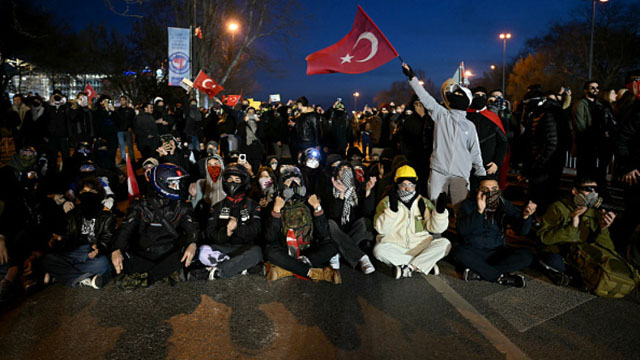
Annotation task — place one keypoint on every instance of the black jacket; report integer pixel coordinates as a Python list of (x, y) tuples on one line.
[(338, 131), (103, 231), (493, 142), (481, 233), (123, 117), (276, 236), (542, 139), (365, 208), (143, 126), (628, 149), (81, 121), (193, 121), (306, 132), (156, 226), (58, 120), (246, 212)]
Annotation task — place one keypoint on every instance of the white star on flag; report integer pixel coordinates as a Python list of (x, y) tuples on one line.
[(346, 58)]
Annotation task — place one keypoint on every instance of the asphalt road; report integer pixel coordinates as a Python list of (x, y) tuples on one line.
[(367, 317)]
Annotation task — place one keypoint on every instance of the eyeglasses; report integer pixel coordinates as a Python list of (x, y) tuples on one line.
[(588, 188), (407, 186), (594, 87)]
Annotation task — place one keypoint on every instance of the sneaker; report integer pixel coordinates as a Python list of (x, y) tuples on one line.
[(245, 272), (334, 262), (214, 273), (469, 275), (513, 280), (93, 282), (435, 271), (366, 266), (134, 281), (402, 271)]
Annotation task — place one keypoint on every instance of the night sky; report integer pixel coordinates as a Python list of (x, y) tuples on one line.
[(430, 35)]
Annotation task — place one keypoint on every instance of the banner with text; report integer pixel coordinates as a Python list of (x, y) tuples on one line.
[(179, 52)]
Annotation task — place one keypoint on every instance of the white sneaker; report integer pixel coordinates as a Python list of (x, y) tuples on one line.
[(335, 262), (402, 271), (213, 272), (366, 266), (435, 271), (93, 282), (244, 272)]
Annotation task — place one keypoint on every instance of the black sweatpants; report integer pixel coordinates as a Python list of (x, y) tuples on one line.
[(318, 253), (158, 268), (242, 257), (491, 263), (349, 238)]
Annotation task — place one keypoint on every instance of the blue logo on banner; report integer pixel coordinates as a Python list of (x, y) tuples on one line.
[(179, 62)]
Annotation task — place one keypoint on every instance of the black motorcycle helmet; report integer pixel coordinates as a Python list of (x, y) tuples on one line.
[(232, 188), (169, 181)]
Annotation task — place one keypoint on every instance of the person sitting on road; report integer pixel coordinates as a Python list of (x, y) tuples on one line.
[(158, 235), (232, 230), (349, 209), (404, 221), (481, 222), (80, 255), (298, 239), (572, 221)]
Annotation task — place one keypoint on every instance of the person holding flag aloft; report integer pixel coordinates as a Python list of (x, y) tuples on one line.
[(456, 147)]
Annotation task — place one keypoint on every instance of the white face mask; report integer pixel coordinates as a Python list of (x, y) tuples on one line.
[(313, 163), (83, 101), (274, 166)]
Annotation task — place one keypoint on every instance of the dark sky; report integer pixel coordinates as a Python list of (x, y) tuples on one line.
[(432, 35)]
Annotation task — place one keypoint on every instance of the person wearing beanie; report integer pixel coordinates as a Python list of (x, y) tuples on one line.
[(405, 221), (456, 149)]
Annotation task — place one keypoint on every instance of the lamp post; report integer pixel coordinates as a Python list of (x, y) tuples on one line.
[(233, 27), (593, 25), (355, 100), (504, 38)]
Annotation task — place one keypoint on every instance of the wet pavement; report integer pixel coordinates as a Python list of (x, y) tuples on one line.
[(372, 317)]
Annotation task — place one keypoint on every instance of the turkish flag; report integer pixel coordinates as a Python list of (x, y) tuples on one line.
[(363, 49), (90, 92), (132, 184), (231, 100), (206, 84)]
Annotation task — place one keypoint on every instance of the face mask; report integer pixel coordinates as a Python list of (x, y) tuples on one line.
[(232, 188), (493, 199), (214, 172), (591, 200), (274, 166), (406, 195), (294, 190), (479, 102), (359, 175), (90, 204), (265, 183), (312, 163), (458, 101), (83, 101)]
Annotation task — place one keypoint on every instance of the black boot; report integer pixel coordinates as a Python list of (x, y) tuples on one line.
[(513, 280)]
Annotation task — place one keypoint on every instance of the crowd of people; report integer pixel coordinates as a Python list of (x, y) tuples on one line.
[(292, 189)]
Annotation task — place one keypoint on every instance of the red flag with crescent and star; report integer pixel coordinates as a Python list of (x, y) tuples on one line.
[(206, 84), (231, 100), (90, 92), (363, 49)]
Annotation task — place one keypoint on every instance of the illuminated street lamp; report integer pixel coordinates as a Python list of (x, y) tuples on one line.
[(504, 38), (493, 67), (421, 83), (356, 95), (593, 24), (233, 27)]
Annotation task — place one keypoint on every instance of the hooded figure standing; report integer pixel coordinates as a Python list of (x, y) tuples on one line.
[(207, 192), (456, 148)]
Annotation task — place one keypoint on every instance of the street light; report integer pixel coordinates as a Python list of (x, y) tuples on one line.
[(233, 27), (504, 38), (493, 67), (593, 24), (355, 100), (421, 83)]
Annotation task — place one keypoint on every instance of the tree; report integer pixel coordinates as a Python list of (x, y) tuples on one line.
[(533, 69), (400, 92)]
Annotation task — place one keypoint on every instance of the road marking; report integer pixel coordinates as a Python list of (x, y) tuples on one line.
[(484, 326)]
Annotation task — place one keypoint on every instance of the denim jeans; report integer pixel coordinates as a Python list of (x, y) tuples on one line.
[(125, 139), (194, 144), (71, 267)]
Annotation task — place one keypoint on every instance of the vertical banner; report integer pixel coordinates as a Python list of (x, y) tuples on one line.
[(179, 52)]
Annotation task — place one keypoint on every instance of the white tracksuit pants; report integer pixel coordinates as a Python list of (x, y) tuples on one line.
[(424, 256), (457, 187)]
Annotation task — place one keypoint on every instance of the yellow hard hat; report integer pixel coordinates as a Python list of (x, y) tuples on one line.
[(405, 171)]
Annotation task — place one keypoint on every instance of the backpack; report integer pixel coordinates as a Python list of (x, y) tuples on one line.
[(297, 226), (604, 272)]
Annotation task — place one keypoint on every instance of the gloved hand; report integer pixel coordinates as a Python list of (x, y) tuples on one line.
[(408, 71), (393, 200), (441, 202)]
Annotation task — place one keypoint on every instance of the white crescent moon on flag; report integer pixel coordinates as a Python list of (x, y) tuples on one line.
[(374, 44), (89, 92), (204, 84)]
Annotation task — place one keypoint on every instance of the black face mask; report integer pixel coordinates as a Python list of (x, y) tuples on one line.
[(458, 101), (479, 102), (90, 204), (232, 188)]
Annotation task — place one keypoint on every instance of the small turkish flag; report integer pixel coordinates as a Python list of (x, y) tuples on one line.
[(231, 100), (132, 184), (206, 84), (90, 92), (363, 49)]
